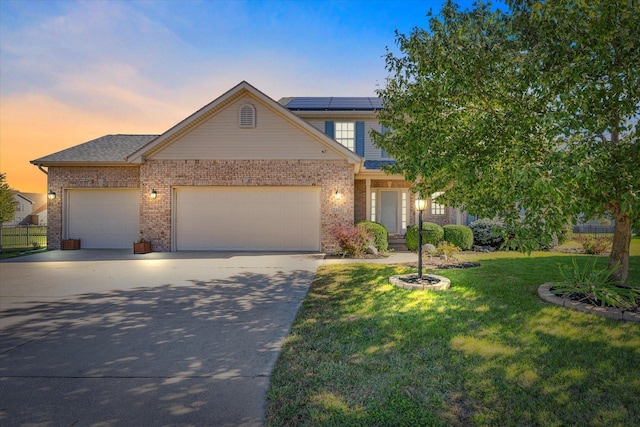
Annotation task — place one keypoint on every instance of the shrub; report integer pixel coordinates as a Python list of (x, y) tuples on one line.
[(352, 240), (458, 235), (379, 233), (431, 233), (449, 250), (595, 286), (488, 232), (592, 245)]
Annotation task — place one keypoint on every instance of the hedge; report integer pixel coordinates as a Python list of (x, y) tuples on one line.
[(379, 233), (431, 233), (459, 235)]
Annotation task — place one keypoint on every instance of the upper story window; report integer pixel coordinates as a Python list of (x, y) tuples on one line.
[(247, 116), (345, 134), (436, 208)]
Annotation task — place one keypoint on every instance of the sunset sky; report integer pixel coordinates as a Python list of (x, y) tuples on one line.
[(71, 71)]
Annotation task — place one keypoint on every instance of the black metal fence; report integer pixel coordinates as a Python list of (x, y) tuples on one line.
[(24, 236)]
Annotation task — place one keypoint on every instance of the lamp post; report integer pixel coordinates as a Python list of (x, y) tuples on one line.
[(421, 205)]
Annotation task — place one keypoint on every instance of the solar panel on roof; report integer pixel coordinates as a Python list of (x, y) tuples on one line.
[(335, 103), (309, 103)]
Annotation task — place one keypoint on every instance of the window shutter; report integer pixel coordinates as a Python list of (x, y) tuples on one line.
[(329, 128), (360, 139)]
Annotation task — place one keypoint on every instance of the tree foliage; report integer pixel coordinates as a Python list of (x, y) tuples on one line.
[(7, 203), (528, 115)]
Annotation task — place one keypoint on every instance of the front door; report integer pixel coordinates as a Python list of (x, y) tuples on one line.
[(389, 210)]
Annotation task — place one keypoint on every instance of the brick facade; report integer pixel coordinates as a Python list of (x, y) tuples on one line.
[(60, 179), (163, 175)]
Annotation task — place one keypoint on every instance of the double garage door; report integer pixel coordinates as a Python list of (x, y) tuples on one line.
[(247, 218), (204, 218)]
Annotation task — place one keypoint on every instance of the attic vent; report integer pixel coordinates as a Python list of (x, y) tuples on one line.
[(247, 116)]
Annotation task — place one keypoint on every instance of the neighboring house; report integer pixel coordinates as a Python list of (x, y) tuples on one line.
[(242, 173), (30, 207)]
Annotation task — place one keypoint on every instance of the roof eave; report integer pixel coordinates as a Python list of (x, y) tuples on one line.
[(47, 163)]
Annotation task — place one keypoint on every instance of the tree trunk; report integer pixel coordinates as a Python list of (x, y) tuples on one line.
[(620, 248)]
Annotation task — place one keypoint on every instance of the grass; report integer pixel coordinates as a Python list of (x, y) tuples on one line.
[(486, 352), (17, 252)]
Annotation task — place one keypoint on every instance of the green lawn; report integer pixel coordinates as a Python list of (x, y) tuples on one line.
[(486, 352)]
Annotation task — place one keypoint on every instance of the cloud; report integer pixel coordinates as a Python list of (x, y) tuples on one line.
[(74, 71)]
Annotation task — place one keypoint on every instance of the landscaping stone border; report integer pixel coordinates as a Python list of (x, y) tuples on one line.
[(544, 292), (442, 285)]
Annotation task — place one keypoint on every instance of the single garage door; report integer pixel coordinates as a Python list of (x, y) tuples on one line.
[(247, 218), (103, 219)]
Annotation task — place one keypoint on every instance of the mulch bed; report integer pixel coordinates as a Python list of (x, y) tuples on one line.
[(585, 299), (425, 281), (364, 256), (433, 264)]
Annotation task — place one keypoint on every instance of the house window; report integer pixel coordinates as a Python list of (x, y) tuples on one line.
[(373, 206), (247, 116), (345, 134), (436, 208), (19, 207)]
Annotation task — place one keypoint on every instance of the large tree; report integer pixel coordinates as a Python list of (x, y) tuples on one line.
[(528, 114), (7, 203)]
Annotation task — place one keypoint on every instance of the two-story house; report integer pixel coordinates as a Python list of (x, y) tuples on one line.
[(30, 208), (242, 173)]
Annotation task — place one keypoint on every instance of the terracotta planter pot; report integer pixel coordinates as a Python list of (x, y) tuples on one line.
[(142, 248), (70, 244)]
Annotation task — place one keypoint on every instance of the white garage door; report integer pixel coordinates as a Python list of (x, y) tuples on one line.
[(103, 219), (247, 218)]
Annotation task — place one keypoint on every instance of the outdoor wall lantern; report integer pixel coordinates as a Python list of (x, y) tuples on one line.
[(153, 194), (421, 205), (338, 195), (51, 195)]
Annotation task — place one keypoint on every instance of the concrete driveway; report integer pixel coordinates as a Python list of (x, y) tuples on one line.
[(105, 338)]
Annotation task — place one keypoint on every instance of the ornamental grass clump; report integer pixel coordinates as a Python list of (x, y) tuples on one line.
[(594, 245), (595, 286), (448, 250)]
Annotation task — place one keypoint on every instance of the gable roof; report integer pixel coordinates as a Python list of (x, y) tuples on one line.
[(209, 110), (106, 150), (333, 103), (23, 196)]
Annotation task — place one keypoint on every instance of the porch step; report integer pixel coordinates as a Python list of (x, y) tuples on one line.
[(398, 244)]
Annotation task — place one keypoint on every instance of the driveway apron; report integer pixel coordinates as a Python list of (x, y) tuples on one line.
[(105, 338)]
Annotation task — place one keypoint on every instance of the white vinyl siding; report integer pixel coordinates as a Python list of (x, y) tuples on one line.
[(247, 218), (103, 219), (370, 151), (274, 137)]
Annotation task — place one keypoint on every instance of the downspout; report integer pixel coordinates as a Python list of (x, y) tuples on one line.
[(43, 171)]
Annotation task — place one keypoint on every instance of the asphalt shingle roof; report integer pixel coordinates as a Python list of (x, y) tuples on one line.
[(334, 103), (108, 148), (377, 164)]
